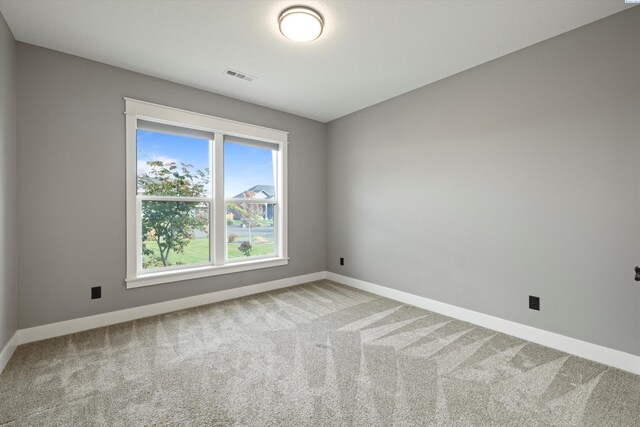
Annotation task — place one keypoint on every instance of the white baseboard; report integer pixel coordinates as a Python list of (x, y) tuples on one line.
[(597, 353), (594, 352), (51, 330), (8, 350)]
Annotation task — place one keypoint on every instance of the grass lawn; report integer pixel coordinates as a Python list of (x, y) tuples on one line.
[(257, 249), (197, 251)]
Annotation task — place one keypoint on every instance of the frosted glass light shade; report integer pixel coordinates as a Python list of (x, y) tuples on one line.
[(300, 24)]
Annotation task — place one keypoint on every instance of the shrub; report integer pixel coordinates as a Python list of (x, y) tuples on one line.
[(245, 247)]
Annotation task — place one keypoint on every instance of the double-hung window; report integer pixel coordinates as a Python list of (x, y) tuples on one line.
[(205, 196)]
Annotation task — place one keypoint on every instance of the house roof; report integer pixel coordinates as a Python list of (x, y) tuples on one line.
[(267, 190)]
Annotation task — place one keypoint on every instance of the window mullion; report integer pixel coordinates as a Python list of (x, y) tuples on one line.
[(212, 198), (219, 217), (174, 199), (261, 201)]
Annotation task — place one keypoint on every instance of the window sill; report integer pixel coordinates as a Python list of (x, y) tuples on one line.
[(199, 272)]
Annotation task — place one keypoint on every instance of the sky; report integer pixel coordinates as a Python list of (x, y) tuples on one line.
[(244, 166)]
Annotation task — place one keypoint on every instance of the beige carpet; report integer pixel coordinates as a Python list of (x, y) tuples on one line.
[(318, 354)]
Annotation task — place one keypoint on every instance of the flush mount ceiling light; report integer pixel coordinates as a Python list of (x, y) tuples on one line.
[(300, 24)]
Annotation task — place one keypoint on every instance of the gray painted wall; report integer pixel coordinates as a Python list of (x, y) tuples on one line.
[(71, 184), (8, 218), (518, 177)]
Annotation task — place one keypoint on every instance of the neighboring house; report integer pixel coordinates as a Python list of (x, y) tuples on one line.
[(264, 192)]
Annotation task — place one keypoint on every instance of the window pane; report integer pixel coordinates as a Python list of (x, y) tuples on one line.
[(174, 233), (249, 172), (172, 165), (250, 230)]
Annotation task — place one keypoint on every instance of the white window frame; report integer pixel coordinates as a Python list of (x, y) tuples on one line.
[(218, 264)]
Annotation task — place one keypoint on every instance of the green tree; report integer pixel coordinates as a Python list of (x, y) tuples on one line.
[(250, 213), (169, 225)]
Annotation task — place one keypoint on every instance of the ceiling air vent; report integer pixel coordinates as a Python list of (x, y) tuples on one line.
[(239, 75)]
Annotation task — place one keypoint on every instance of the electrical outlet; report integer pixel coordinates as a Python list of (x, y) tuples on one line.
[(96, 292), (341, 261), (534, 303)]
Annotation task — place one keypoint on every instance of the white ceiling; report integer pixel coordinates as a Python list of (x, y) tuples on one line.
[(370, 50)]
